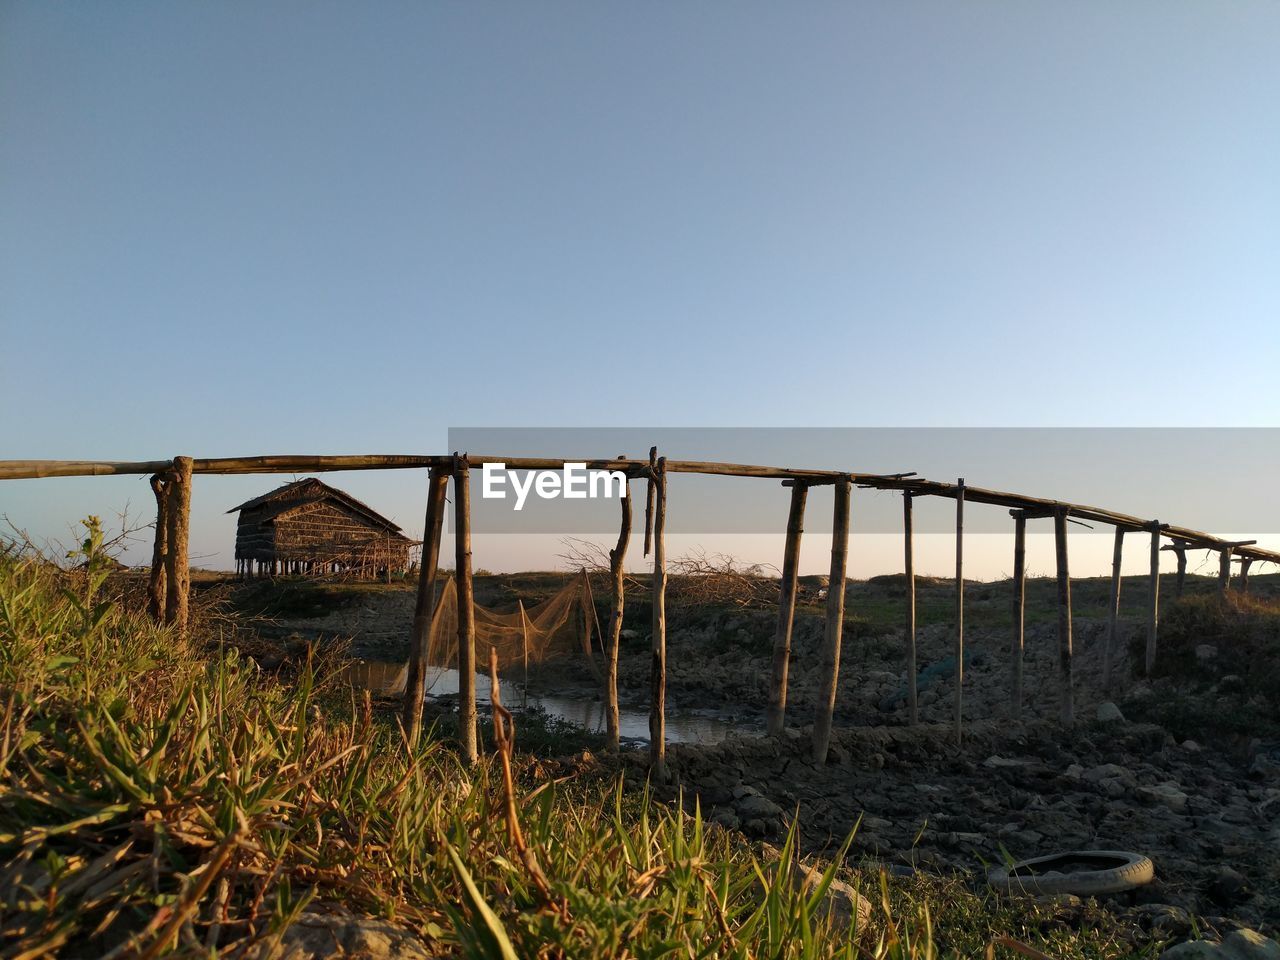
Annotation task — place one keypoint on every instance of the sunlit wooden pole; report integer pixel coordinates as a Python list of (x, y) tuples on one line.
[(957, 721), (1019, 612), (1113, 609), (775, 717), (658, 674), (617, 560), (424, 603), (830, 665), (1066, 705), (157, 594), (1153, 599), (177, 567), (908, 550), (466, 608)]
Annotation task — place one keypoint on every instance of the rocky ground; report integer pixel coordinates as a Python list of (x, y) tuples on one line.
[(1206, 810), (1208, 822), (725, 662)]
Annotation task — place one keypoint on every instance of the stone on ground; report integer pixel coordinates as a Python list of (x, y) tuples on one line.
[(1237, 945)]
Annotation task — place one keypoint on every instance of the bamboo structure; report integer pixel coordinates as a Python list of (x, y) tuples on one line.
[(177, 527), (617, 572), (908, 550), (168, 588), (834, 629), (466, 608), (1113, 609), (314, 463), (1066, 706), (1019, 612), (775, 716), (957, 720), (423, 609), (658, 675)]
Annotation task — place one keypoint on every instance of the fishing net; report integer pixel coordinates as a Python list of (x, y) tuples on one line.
[(531, 635), (557, 627)]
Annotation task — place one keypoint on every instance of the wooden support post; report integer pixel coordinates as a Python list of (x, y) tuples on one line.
[(1113, 609), (1019, 613), (466, 608), (1066, 705), (1224, 570), (1180, 551), (648, 502), (658, 675), (1153, 599), (617, 558), (957, 720), (177, 566), (776, 713), (156, 591), (834, 631), (424, 603), (909, 564), (1245, 564)]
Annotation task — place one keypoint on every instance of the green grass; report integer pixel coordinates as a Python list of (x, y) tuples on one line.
[(160, 795), (874, 608), (288, 598), (1236, 694)]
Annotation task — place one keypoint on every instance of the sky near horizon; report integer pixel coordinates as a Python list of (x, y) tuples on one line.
[(243, 228)]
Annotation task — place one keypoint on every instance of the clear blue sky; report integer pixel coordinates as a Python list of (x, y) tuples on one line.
[(236, 228)]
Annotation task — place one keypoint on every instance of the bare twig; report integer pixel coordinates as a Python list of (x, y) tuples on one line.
[(503, 737), (698, 578)]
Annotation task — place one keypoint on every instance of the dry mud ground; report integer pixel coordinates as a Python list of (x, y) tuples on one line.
[(924, 803), (1208, 813)]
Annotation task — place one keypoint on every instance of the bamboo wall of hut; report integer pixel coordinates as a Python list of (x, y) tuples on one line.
[(311, 528)]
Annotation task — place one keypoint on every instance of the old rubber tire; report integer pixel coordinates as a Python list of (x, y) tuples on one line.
[(1084, 873)]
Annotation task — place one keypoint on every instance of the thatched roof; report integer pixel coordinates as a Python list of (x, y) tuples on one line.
[(293, 496)]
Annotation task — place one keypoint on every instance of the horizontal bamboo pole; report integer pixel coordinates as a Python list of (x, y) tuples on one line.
[(310, 463), (34, 469), (1039, 506)]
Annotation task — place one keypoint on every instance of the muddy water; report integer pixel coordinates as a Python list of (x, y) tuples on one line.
[(682, 727)]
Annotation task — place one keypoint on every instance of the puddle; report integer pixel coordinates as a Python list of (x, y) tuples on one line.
[(387, 679)]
